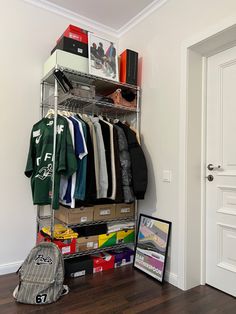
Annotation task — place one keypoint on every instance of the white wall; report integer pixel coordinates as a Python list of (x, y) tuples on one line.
[(27, 36), (158, 39)]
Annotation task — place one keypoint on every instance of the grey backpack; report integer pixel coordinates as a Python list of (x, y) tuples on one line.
[(41, 276)]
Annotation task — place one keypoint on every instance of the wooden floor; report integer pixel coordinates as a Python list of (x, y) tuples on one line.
[(123, 290)]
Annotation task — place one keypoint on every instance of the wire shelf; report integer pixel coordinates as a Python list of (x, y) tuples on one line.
[(99, 250), (92, 223), (100, 83), (89, 223), (87, 105)]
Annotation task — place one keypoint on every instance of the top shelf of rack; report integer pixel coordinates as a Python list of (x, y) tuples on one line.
[(101, 84)]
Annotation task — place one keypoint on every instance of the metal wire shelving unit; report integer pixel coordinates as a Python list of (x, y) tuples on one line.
[(52, 98)]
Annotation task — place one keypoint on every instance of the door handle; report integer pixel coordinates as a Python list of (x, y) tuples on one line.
[(211, 167)]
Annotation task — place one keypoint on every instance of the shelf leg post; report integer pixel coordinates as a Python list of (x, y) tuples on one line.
[(54, 158)]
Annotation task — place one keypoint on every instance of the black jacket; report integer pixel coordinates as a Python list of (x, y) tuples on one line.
[(138, 162)]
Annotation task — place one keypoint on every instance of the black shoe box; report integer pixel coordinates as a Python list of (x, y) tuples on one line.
[(73, 46), (87, 231), (78, 266)]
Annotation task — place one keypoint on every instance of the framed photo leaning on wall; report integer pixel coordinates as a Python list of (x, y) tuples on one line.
[(152, 246), (103, 59)]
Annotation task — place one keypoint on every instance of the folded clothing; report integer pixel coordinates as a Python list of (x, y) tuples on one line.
[(114, 227), (60, 232)]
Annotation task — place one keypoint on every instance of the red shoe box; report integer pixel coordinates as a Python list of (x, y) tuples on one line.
[(65, 246), (102, 261), (75, 33)]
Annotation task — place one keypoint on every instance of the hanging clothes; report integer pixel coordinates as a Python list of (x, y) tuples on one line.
[(68, 198), (138, 162), (95, 149), (90, 192), (103, 176), (107, 145), (40, 159), (119, 193), (112, 158), (82, 168), (67, 186), (124, 156)]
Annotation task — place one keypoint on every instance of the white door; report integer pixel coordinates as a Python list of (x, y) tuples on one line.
[(221, 154)]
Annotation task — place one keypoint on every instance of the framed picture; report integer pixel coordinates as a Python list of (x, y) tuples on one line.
[(152, 246), (103, 59)]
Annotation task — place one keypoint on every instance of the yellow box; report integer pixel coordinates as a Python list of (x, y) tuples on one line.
[(105, 240), (125, 236)]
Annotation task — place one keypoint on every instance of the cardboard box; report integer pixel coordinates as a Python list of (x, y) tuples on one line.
[(72, 46), (123, 256), (74, 215), (75, 33), (104, 212), (86, 243), (125, 236), (79, 266), (65, 60), (105, 240), (102, 261), (124, 210)]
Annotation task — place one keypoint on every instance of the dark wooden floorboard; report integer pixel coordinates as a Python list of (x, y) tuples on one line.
[(122, 291)]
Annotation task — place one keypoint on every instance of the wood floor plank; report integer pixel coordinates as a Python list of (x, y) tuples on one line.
[(121, 291)]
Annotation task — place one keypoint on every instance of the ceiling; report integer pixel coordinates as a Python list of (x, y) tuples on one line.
[(111, 13)]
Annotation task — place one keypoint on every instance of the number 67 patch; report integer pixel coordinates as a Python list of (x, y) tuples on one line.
[(41, 298)]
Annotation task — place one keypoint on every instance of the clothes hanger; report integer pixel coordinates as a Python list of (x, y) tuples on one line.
[(65, 113), (50, 113)]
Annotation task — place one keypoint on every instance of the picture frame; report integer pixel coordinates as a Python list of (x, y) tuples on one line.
[(151, 248), (103, 58)]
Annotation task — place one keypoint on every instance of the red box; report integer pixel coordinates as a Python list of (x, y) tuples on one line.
[(66, 246), (103, 261), (75, 33)]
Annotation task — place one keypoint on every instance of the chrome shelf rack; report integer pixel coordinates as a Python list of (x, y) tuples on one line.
[(88, 223), (51, 98)]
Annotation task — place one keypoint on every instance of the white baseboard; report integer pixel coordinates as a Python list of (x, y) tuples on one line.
[(171, 278), (13, 267), (10, 267)]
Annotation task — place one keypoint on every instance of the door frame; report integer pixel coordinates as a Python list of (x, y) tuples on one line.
[(192, 132)]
